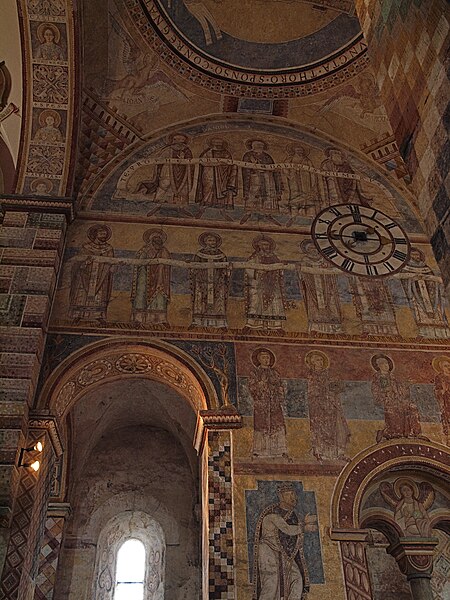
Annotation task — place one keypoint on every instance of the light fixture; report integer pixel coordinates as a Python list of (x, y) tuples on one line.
[(35, 465)]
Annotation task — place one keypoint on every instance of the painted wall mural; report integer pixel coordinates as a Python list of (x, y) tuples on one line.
[(237, 282), (243, 172)]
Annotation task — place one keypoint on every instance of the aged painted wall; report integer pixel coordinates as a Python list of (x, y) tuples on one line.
[(249, 334)]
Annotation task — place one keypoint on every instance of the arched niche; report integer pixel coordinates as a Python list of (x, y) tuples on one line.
[(137, 525), (400, 489), (113, 401)]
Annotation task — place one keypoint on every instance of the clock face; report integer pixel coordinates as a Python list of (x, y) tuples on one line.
[(360, 240)]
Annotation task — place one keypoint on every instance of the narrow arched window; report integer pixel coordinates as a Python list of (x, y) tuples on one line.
[(130, 571)]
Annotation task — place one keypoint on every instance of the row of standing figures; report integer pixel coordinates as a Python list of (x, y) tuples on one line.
[(210, 271), (330, 433)]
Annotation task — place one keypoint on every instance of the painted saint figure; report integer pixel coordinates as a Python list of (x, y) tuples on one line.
[(338, 189), (319, 285), (150, 291), (425, 293), (374, 306), (264, 288), (280, 567), (401, 416), (92, 277), (441, 364), (262, 188), (48, 132), (171, 182), (210, 284), (49, 48), (410, 502), (269, 405), (330, 433), (301, 186), (217, 184)]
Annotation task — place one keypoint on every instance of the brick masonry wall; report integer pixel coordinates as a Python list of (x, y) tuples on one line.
[(408, 45), (31, 245)]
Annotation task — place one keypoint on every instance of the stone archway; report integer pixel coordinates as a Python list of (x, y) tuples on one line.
[(349, 523), (113, 360)]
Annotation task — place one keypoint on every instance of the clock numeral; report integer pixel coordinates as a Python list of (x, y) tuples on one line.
[(389, 267), (391, 225), (334, 210), (400, 241), (374, 215), (356, 214), (371, 270), (330, 252), (399, 255), (348, 265), (327, 221)]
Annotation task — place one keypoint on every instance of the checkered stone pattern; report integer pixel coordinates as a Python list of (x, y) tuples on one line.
[(31, 246), (48, 558), (103, 136), (408, 43), (30, 508), (221, 562)]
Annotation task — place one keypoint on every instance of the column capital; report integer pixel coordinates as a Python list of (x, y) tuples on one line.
[(414, 556), (59, 509), (42, 204), (50, 425), (221, 419)]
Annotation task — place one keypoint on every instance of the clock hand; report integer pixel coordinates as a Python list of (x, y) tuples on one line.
[(383, 240)]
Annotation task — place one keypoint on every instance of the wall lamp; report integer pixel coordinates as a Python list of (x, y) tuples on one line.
[(35, 465)]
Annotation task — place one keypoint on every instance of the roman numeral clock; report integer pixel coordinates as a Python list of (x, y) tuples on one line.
[(360, 240)]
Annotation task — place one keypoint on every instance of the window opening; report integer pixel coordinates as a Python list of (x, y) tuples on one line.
[(130, 571)]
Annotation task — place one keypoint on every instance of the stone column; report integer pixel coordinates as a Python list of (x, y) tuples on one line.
[(31, 246), (57, 514), (408, 45), (415, 559), (217, 484), (28, 518), (354, 562)]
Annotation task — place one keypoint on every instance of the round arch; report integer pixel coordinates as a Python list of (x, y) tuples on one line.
[(392, 455), (126, 358)]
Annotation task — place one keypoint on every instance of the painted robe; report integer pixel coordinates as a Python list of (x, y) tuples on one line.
[(401, 416), (171, 183), (442, 392), (301, 187), (91, 285), (209, 290), (217, 184), (321, 296), (281, 572), (264, 294), (426, 298), (150, 291), (339, 190), (330, 433), (262, 189), (269, 429)]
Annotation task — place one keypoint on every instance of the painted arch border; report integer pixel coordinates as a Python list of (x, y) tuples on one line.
[(117, 166), (123, 358), (356, 477)]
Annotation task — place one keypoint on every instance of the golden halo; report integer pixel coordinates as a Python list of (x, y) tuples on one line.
[(258, 351), (205, 234), (374, 359), (263, 238), (401, 481), (225, 144), (48, 112), (248, 143), (151, 233), (92, 232), (292, 146), (43, 27), (437, 361), (325, 357), (36, 182)]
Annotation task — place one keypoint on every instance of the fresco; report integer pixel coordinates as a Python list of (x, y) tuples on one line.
[(237, 282), (314, 407), (237, 171)]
